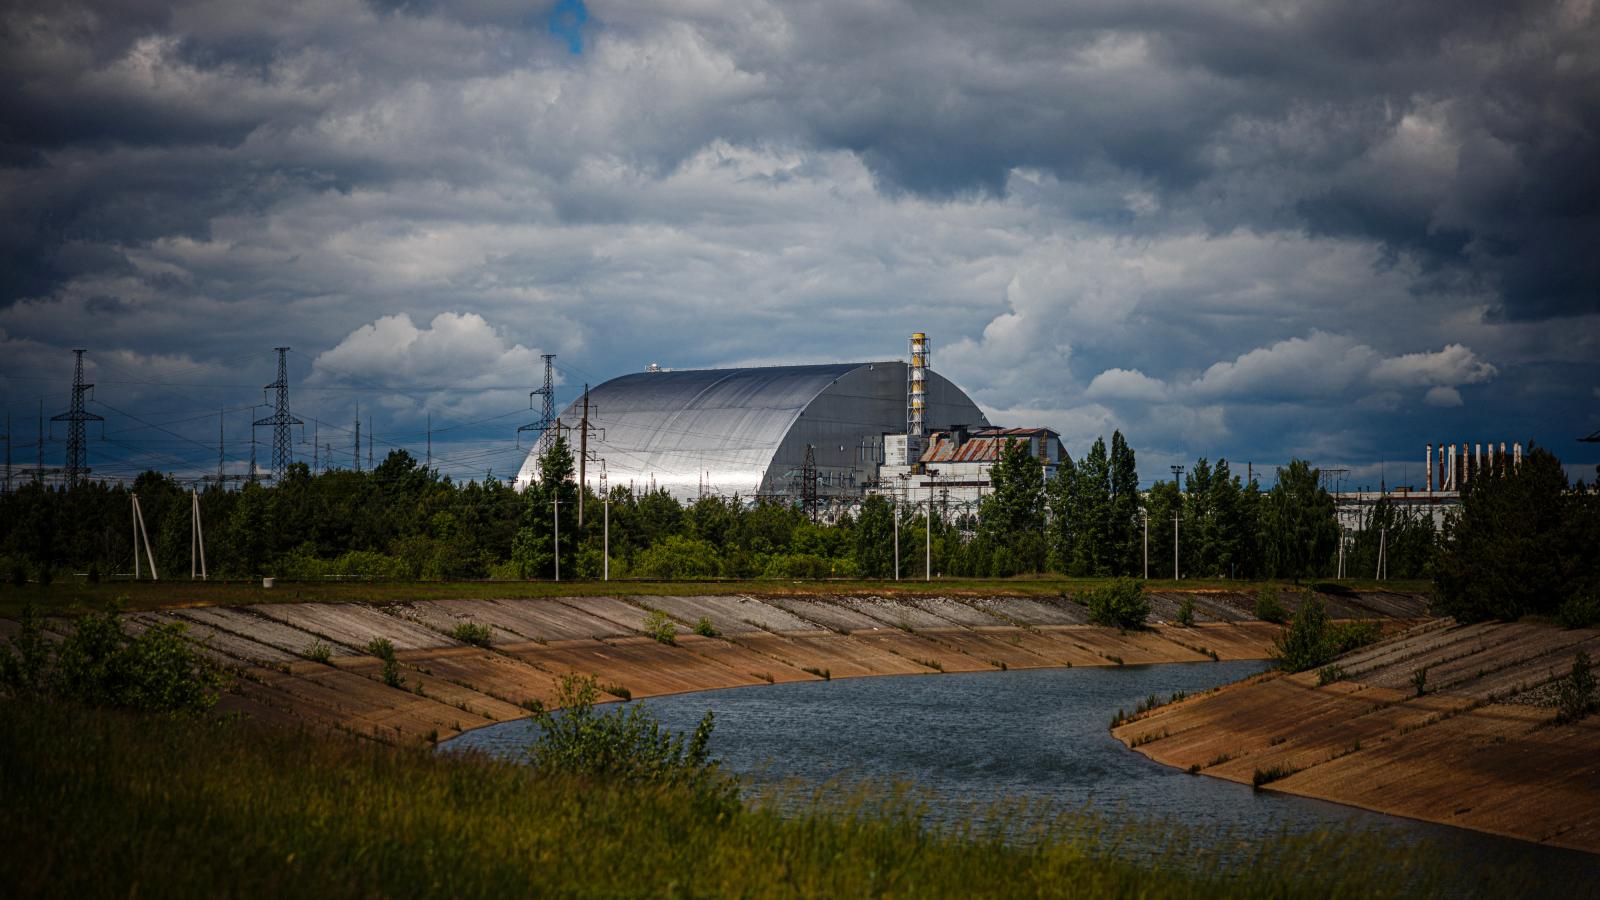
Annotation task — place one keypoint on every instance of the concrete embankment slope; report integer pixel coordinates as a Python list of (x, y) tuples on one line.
[(308, 664), (1478, 749)]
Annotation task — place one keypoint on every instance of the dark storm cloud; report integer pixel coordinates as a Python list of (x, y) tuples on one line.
[(1140, 191)]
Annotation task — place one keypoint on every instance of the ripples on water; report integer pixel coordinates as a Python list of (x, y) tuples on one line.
[(1036, 738)]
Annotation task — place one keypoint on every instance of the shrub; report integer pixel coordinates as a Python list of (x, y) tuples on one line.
[(1575, 694), (1329, 674), (1269, 774), (1305, 645), (1346, 636), (618, 691), (473, 633), (1268, 609), (1581, 610), (100, 664), (824, 674), (318, 652), (1121, 604), (1419, 680), (704, 628), (625, 743), (658, 626), (1186, 612), (383, 649)]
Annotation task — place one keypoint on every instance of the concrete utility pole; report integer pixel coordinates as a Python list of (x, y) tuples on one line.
[(138, 532), (583, 454), (927, 564), (897, 540), (197, 536), (1383, 547), (557, 496), (605, 544), (1176, 472)]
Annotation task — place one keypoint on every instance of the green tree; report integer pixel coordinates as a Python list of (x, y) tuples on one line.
[(550, 510), (1524, 542), (874, 550), (1299, 532), (1124, 538), (1012, 516)]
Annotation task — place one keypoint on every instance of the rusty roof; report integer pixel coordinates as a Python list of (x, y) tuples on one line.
[(982, 444)]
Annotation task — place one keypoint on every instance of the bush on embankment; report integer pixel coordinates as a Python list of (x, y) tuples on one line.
[(98, 663), (1120, 604), (103, 803), (1312, 640)]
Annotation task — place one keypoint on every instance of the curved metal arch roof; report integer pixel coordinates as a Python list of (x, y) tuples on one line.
[(674, 425)]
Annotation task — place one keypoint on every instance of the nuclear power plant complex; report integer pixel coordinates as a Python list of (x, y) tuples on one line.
[(812, 433)]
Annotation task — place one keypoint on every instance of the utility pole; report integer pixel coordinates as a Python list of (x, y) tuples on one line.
[(369, 442), (355, 455), (1146, 517), (281, 420), (583, 454), (927, 563), (316, 446), (808, 483), (557, 495), (1383, 547), (897, 539), (140, 531), (605, 545), (77, 418), (1176, 472), (197, 536)]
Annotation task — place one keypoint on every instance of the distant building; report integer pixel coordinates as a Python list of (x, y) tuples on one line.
[(952, 467)]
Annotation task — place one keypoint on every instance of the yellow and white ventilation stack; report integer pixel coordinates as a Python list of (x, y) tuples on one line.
[(917, 384)]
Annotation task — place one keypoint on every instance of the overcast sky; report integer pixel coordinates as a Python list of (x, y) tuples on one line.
[(1254, 230)]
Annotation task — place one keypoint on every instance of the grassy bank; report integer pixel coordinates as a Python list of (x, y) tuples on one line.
[(68, 595), (110, 804)]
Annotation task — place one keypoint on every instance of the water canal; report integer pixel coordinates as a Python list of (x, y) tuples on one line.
[(1037, 735)]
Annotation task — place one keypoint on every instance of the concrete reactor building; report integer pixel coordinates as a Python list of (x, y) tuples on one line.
[(818, 431)]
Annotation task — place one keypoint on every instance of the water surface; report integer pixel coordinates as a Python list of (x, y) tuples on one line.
[(1038, 735)]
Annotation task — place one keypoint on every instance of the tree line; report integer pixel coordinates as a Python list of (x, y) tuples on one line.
[(402, 520)]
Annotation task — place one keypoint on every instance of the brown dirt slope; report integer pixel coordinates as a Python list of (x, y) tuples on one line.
[(1479, 748)]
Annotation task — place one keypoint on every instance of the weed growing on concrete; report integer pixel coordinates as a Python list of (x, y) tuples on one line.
[(1115, 659), (100, 664), (704, 628), (998, 664), (765, 676), (1269, 775), (1148, 738), (930, 663), (824, 674), (1120, 604), (1185, 615), (1268, 608), (1194, 769), (1219, 759), (618, 691), (1575, 694), (1419, 680), (318, 652), (1328, 674), (383, 649), (659, 627), (473, 633), (1275, 741)]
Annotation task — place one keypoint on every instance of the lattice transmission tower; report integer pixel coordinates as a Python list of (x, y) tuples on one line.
[(281, 420), (77, 419), (547, 414)]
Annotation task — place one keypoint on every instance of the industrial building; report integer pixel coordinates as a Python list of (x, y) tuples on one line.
[(778, 431), (953, 465)]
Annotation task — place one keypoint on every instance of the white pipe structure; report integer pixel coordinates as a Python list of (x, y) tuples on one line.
[(605, 547), (1429, 468), (197, 537)]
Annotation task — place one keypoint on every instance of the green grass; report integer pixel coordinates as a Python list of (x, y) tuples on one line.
[(101, 804), (69, 595)]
